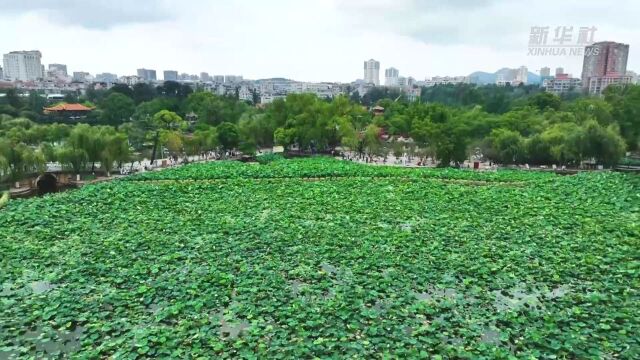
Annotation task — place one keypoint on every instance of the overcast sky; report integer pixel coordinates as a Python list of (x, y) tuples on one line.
[(309, 40)]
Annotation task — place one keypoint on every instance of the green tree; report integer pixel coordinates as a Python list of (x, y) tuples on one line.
[(625, 103), (507, 147), (566, 142), (372, 141), (48, 151), (205, 139), (143, 92), (94, 95), (165, 120), (36, 102), (604, 143), (73, 158), (255, 96), (90, 140), (592, 108), (116, 149), (228, 135), (545, 100), (254, 128), (174, 89), (116, 109), (70, 97), (538, 151), (123, 89), (168, 120), (348, 135), (19, 159), (284, 137), (172, 140), (13, 99), (214, 110)]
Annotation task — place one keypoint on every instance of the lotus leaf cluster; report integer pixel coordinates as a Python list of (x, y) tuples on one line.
[(324, 258)]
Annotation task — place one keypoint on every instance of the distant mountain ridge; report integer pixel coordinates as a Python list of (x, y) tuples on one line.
[(274, 79), (484, 78)]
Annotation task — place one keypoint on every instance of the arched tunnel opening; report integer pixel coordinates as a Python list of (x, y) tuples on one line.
[(47, 184)]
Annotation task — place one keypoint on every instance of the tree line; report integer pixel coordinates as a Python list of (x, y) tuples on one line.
[(449, 123)]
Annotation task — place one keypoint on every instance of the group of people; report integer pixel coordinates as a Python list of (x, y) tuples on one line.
[(404, 160), (217, 155), (175, 160)]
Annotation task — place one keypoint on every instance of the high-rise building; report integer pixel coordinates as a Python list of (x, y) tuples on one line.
[(130, 80), (147, 74), (391, 76), (170, 75), (81, 76), (545, 72), (559, 70), (205, 76), (23, 65), (561, 83), (1, 74), (604, 63), (446, 80), (232, 79), (522, 74), (219, 79), (108, 78), (58, 69), (372, 72)]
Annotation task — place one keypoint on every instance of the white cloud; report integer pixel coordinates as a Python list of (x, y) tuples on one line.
[(92, 14), (314, 40)]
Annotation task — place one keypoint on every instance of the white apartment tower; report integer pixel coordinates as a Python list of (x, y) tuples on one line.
[(522, 74), (23, 65), (545, 71), (391, 76), (372, 72)]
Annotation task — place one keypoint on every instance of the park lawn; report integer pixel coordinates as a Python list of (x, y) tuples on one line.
[(324, 258)]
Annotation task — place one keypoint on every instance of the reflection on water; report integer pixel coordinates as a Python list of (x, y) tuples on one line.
[(519, 297), (329, 269), (6, 289), (297, 286), (559, 292), (231, 329), (490, 336), (515, 299), (434, 293), (40, 287), (51, 342)]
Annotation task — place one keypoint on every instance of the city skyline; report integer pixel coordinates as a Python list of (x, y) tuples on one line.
[(148, 74), (256, 40)]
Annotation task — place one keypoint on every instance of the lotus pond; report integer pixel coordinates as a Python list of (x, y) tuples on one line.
[(323, 258)]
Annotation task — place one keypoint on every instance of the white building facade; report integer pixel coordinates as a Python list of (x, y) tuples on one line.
[(446, 80), (521, 75), (561, 84), (372, 72), (391, 76), (23, 65)]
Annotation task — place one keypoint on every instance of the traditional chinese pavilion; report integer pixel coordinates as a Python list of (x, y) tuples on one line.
[(71, 111), (377, 110)]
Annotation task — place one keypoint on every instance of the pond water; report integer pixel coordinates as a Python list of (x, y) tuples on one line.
[(40, 287), (50, 341)]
